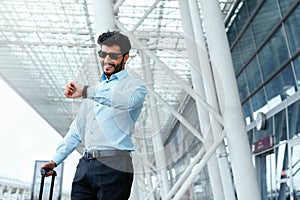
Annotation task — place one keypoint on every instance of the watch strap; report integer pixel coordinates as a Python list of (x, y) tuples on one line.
[(84, 91)]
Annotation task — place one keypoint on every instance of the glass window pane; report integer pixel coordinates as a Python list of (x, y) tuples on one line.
[(242, 85), (241, 18), (264, 21), (292, 28), (231, 33), (281, 154), (294, 120), (281, 86), (280, 127), (273, 54), (258, 100), (284, 5), (260, 163), (247, 112), (251, 5), (237, 58), (297, 68), (253, 75), (271, 175), (247, 43), (250, 137), (295, 154)]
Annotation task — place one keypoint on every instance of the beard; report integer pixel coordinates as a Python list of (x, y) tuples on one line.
[(117, 68)]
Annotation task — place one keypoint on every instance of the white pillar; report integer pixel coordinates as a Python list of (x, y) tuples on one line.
[(230, 105), (104, 16), (212, 165), (158, 146), (212, 99)]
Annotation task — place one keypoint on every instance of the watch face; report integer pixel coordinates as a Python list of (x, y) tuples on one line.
[(260, 121)]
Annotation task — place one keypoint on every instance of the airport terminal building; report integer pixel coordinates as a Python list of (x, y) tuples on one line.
[(220, 120)]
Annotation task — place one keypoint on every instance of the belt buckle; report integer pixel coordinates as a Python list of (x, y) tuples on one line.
[(90, 155), (95, 154)]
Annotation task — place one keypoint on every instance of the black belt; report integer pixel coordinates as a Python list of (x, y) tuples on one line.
[(94, 154)]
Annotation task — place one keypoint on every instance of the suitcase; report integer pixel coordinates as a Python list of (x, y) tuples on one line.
[(43, 173)]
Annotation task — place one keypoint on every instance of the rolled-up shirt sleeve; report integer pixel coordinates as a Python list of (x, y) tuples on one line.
[(72, 139)]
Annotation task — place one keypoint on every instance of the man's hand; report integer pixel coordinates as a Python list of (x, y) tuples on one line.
[(73, 90), (50, 165)]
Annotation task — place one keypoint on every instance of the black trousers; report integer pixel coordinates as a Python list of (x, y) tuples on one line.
[(107, 178)]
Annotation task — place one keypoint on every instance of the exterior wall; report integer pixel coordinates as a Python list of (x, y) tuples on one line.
[(265, 45)]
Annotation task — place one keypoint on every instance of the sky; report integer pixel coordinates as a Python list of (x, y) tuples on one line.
[(26, 137)]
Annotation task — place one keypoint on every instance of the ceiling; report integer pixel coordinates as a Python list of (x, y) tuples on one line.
[(44, 44)]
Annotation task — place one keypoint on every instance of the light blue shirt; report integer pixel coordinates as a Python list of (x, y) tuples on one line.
[(106, 119)]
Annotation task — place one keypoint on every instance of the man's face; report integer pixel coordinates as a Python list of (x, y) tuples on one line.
[(112, 63)]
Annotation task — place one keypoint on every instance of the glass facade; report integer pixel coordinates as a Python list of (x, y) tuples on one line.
[(265, 45), (264, 40)]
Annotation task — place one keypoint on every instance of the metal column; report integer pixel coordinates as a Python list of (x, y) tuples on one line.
[(212, 99), (212, 165), (158, 146), (230, 105)]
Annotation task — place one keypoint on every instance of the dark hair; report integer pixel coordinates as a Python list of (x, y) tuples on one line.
[(115, 38)]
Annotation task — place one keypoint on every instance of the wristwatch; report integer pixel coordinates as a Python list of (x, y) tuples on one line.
[(84, 91)]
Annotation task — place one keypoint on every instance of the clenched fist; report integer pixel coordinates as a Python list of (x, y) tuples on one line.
[(73, 90)]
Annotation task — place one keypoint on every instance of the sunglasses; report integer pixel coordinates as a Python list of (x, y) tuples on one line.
[(114, 56)]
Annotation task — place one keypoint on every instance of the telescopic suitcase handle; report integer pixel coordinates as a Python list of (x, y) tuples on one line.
[(43, 173)]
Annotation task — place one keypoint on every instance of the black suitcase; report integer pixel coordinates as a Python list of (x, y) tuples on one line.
[(43, 173)]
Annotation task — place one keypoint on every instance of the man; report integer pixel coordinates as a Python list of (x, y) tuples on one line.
[(104, 123)]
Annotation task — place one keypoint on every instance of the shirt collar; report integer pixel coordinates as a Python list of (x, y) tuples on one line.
[(118, 75)]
